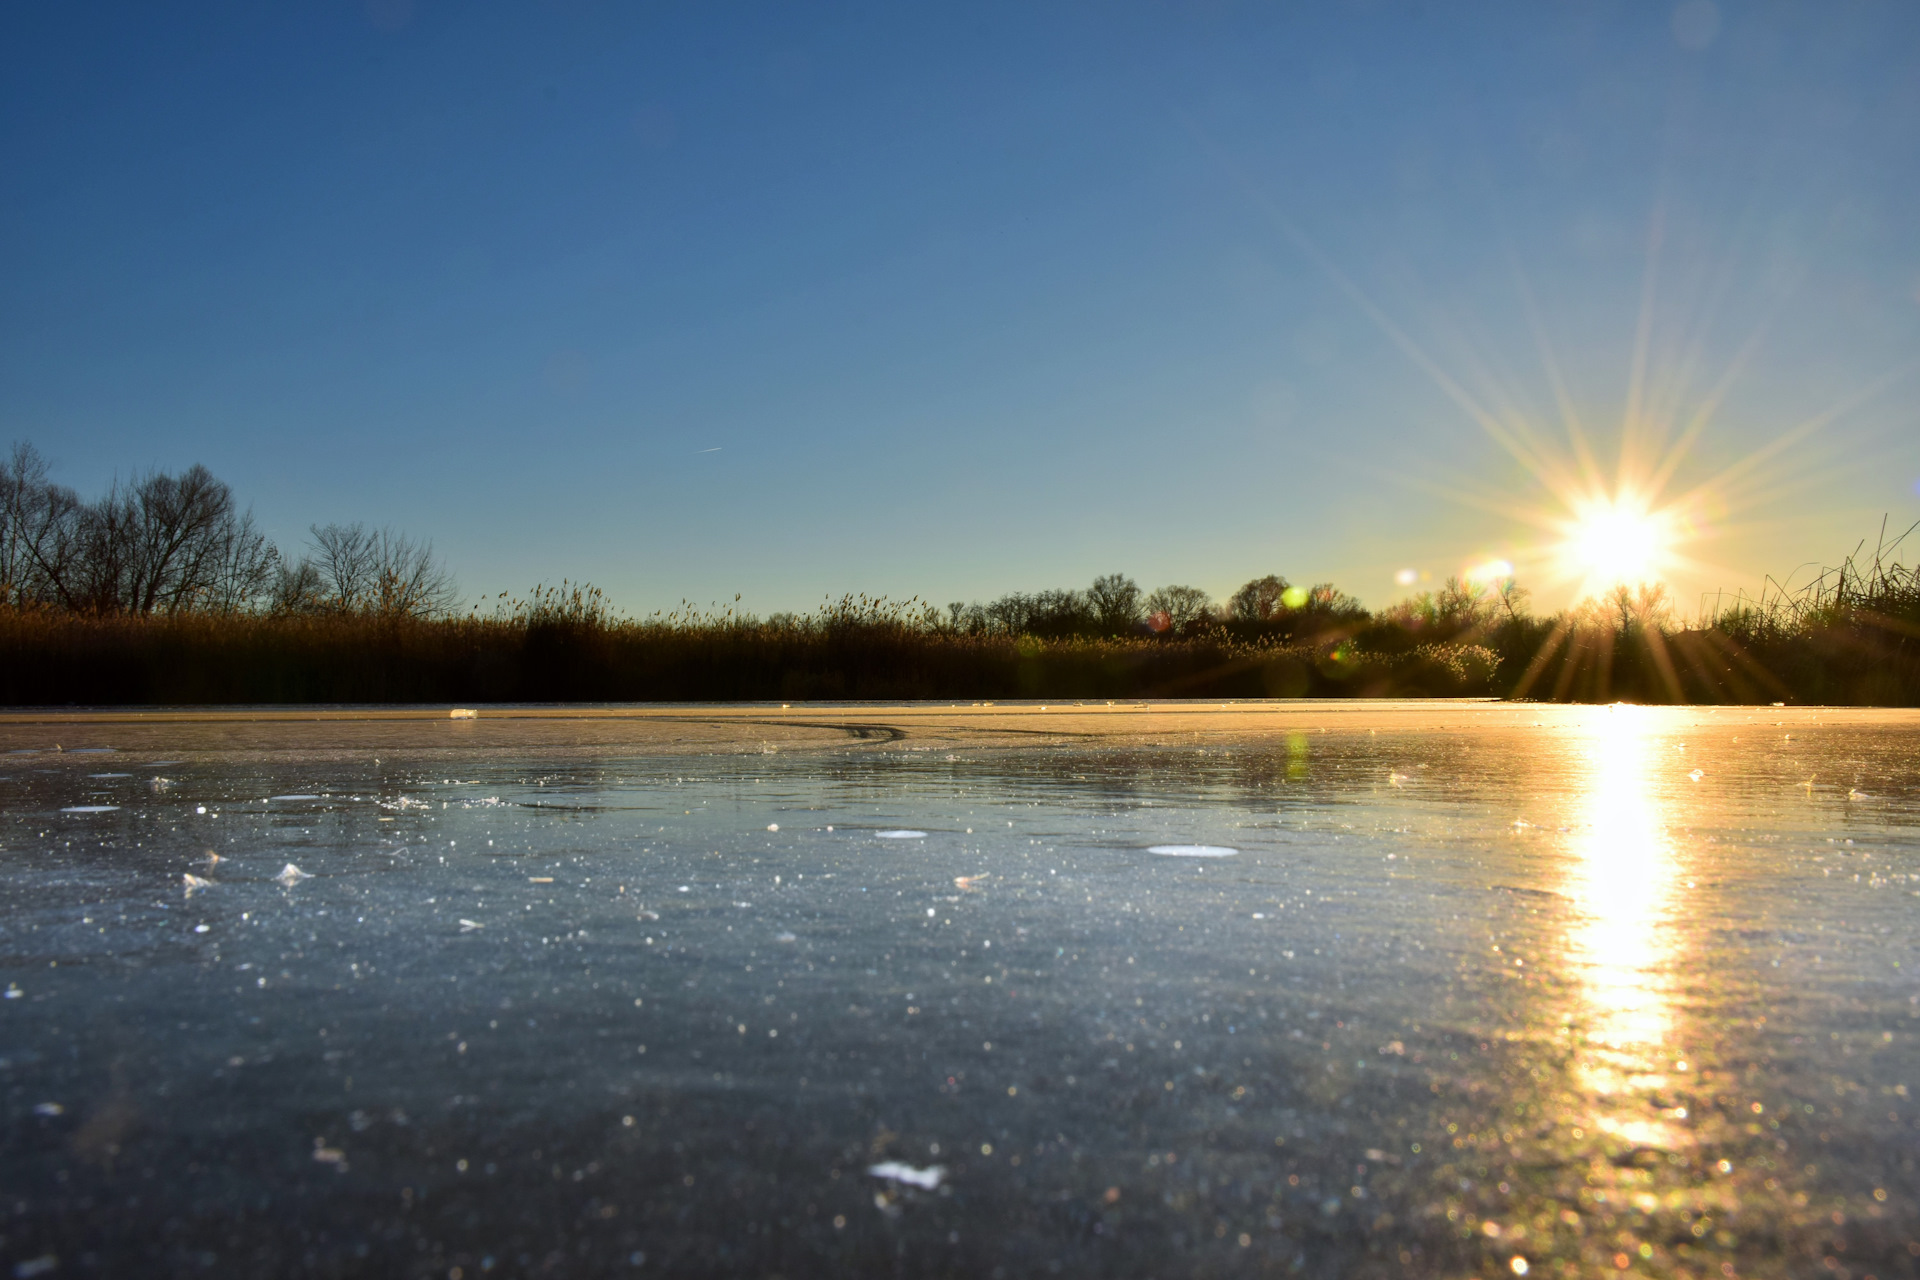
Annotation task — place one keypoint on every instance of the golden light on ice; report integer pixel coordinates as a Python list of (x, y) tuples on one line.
[(1626, 943), (1622, 884)]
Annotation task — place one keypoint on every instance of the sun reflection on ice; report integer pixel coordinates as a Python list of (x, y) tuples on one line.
[(1623, 943)]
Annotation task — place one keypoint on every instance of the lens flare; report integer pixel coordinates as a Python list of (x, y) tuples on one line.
[(1490, 572)]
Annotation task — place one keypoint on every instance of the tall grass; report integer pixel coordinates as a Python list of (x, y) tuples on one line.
[(547, 653)]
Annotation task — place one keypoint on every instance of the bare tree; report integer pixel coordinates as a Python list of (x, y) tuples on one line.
[(1258, 600), (177, 530), (1115, 601), (297, 588), (380, 572), (343, 557), (1178, 607), (160, 543), (243, 569), (38, 531)]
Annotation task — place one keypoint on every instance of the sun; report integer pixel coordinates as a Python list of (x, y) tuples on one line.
[(1615, 540)]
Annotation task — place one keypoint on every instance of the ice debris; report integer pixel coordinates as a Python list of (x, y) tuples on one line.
[(1192, 850), (192, 882), (928, 1179), (463, 713), (296, 797), (292, 875), (901, 835), (90, 808), (468, 926)]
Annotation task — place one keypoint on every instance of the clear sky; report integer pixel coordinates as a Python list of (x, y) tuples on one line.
[(801, 299)]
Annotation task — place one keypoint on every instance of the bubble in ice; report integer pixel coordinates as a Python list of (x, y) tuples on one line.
[(927, 1179), (900, 835), (1192, 850), (90, 808), (291, 875), (48, 1109)]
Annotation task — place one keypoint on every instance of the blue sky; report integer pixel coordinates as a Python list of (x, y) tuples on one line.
[(797, 300)]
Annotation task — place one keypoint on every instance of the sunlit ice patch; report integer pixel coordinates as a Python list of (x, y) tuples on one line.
[(1192, 850)]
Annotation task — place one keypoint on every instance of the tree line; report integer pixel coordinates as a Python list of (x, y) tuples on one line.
[(1114, 606), (182, 544), (165, 590)]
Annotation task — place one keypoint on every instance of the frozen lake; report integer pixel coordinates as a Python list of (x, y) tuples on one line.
[(1328, 989)]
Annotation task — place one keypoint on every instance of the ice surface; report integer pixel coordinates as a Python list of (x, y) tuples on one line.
[(1551, 986)]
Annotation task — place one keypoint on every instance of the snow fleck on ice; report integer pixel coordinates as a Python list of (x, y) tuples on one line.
[(928, 1179)]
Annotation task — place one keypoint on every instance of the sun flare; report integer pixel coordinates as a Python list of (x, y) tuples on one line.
[(1611, 541)]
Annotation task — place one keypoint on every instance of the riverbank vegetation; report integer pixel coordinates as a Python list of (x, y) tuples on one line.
[(163, 592)]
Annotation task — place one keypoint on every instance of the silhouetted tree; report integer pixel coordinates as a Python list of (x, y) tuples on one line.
[(38, 531), (1259, 600), (1115, 603), (379, 572), (1177, 608), (161, 543)]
